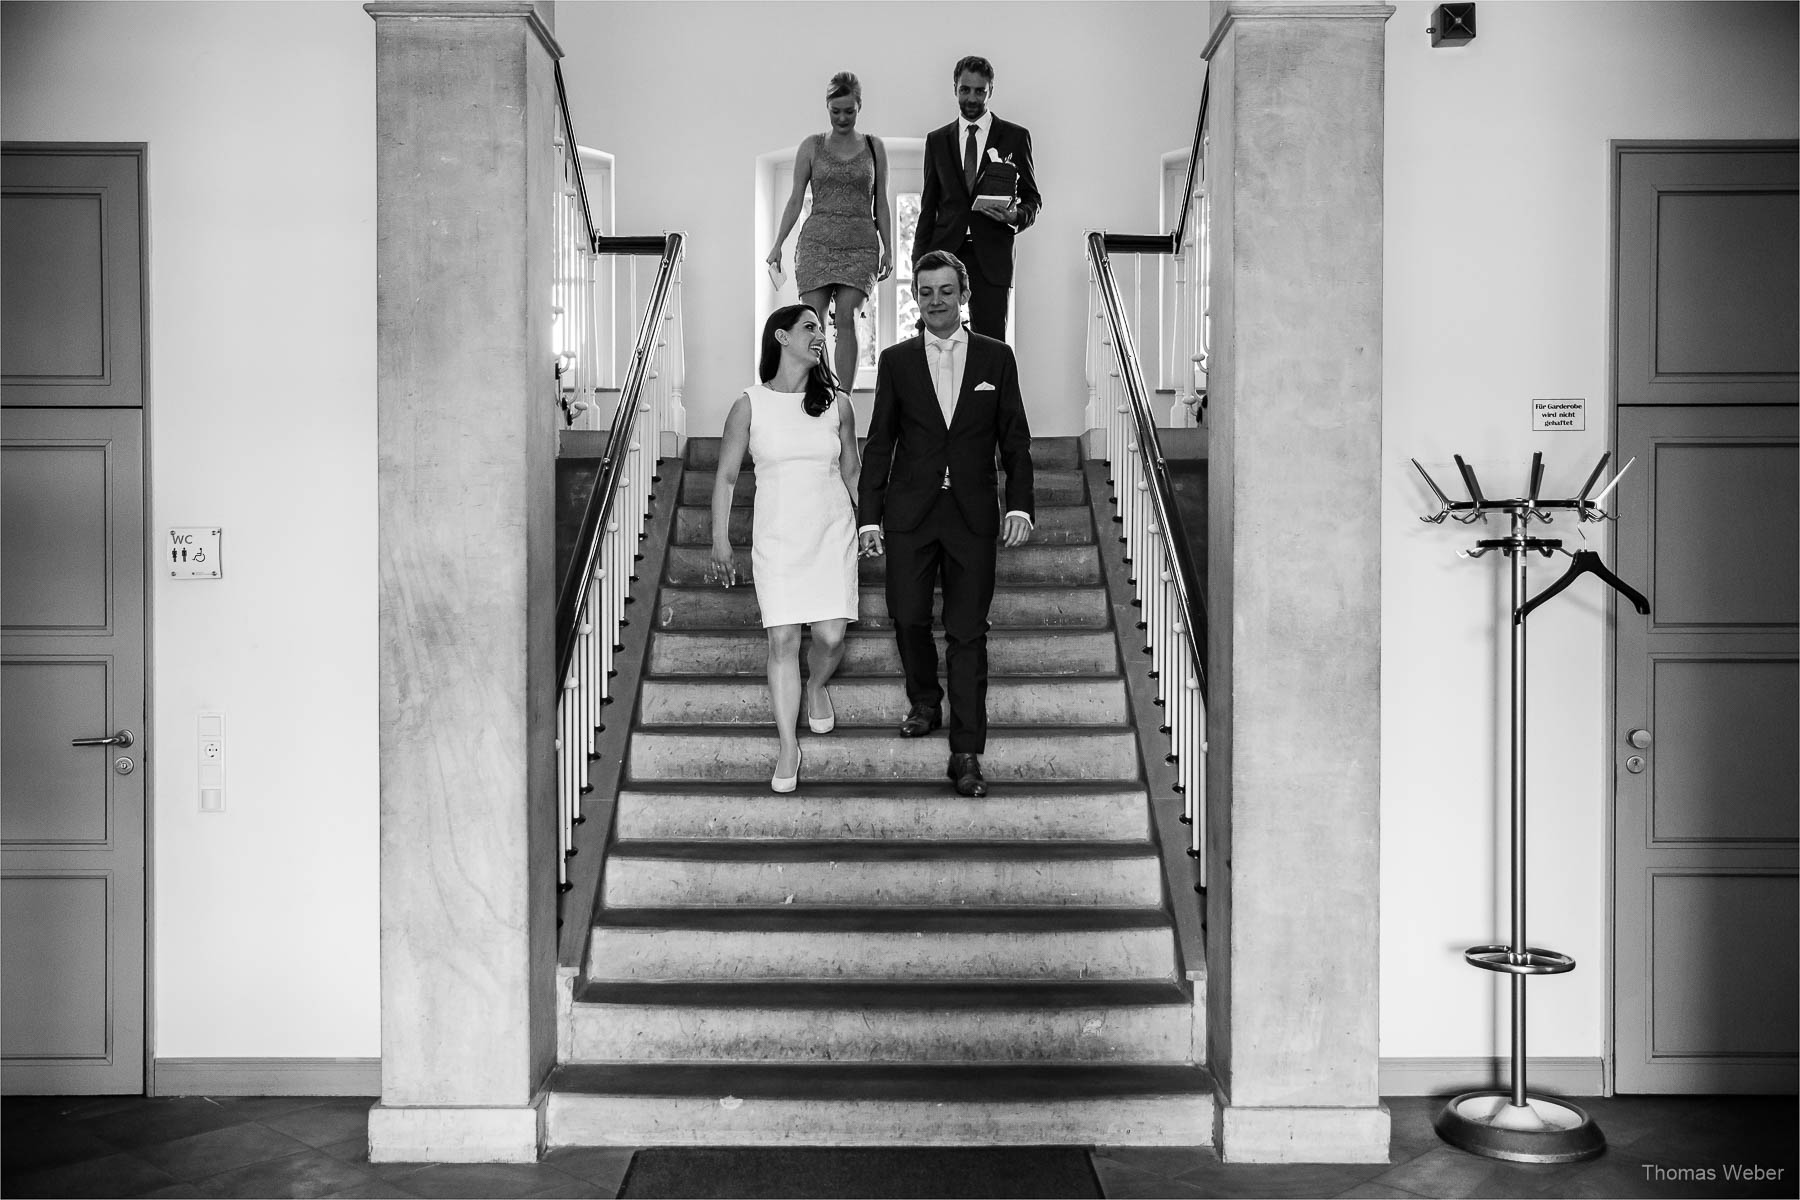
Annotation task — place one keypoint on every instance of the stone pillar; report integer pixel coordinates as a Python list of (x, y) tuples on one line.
[(465, 113), (1295, 565)]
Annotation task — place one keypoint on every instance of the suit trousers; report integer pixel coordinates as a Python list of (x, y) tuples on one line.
[(988, 302), (943, 550)]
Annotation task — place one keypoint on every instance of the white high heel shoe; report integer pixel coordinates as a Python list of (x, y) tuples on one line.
[(823, 724), (786, 783)]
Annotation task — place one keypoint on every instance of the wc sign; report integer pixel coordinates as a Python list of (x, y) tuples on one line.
[(193, 553)]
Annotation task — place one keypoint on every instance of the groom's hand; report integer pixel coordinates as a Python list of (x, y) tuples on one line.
[(869, 543), (1017, 530)]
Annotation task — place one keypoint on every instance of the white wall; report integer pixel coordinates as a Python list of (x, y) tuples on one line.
[(1498, 290), (687, 95), (259, 120)]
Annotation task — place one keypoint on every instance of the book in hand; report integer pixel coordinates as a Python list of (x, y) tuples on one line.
[(998, 185)]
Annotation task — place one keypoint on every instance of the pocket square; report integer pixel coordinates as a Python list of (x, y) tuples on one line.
[(984, 386)]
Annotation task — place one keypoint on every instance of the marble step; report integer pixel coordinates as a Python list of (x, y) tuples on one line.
[(1009, 652), (1048, 486), (881, 703), (1013, 762), (1031, 606), (1062, 453), (882, 812), (756, 874), (1052, 525), (857, 1104), (877, 944), (738, 1022), (1067, 565)]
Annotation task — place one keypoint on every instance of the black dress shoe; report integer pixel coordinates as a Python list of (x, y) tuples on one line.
[(965, 773), (921, 720)]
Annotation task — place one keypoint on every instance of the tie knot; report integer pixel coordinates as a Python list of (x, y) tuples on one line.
[(943, 344)]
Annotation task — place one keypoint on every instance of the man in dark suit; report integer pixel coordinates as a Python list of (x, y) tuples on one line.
[(945, 402), (957, 157)]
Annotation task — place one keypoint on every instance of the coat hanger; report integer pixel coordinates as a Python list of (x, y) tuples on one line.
[(1587, 562)]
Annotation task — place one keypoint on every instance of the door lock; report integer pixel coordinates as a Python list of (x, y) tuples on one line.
[(1635, 764), (123, 765)]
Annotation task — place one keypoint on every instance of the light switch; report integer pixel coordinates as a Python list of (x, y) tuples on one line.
[(210, 728)]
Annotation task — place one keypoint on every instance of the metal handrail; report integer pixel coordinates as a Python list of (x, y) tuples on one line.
[(1171, 242), (568, 124), (1161, 492), (572, 594)]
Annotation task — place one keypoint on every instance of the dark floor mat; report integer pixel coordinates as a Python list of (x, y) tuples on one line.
[(666, 1172)]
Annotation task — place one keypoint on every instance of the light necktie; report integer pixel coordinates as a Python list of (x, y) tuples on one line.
[(970, 162), (944, 376)]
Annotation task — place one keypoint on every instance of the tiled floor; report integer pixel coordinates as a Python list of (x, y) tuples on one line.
[(311, 1146)]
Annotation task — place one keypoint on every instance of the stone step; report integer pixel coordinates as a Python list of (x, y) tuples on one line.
[(876, 875), (1046, 452), (1067, 565), (737, 1022), (879, 703), (857, 1104), (849, 944), (882, 812), (1051, 486), (873, 652), (1013, 762), (1034, 606), (1053, 525)]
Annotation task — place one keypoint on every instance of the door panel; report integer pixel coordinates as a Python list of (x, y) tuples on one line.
[(71, 300), (72, 822), (1724, 985), (1721, 509), (57, 986), (1707, 307), (1705, 996)]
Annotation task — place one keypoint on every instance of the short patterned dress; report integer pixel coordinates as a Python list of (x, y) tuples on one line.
[(839, 243), (802, 525)]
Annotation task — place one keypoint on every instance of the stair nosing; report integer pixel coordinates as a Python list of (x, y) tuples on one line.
[(903, 995), (1085, 918)]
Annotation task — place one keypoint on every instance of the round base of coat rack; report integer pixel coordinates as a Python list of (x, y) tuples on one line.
[(1539, 1131)]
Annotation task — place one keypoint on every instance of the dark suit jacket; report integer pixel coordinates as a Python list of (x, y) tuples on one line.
[(909, 447), (944, 215)]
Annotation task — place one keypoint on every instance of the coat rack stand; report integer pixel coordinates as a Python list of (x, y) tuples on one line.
[(1512, 1124)]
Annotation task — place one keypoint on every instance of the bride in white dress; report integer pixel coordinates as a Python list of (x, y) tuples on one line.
[(801, 433)]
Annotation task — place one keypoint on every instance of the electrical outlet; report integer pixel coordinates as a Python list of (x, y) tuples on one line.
[(210, 730)]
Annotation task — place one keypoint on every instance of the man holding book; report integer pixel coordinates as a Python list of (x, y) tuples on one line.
[(980, 192)]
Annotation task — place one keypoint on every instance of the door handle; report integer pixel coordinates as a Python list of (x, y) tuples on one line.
[(1639, 738), (121, 738)]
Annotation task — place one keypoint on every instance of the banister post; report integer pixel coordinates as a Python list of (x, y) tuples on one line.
[(1295, 498), (466, 122)]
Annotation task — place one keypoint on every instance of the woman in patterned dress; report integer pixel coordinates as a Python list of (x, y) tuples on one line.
[(847, 243), (801, 431)]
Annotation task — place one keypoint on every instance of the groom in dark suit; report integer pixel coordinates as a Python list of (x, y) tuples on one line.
[(945, 403), (957, 158)]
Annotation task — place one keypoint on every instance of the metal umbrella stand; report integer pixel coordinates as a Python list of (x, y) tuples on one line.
[(1511, 1123)]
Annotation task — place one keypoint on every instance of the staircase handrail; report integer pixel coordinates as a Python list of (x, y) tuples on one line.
[(568, 128), (1186, 579), (572, 593), (1171, 242)]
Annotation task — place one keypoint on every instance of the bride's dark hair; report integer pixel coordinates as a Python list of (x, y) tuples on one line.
[(821, 385)]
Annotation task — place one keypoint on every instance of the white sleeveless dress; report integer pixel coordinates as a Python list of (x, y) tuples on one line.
[(803, 526)]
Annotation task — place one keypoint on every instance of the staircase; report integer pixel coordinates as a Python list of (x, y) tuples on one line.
[(873, 959)]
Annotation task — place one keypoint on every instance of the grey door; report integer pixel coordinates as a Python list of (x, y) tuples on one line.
[(72, 628), (1707, 698)]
